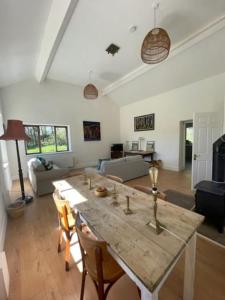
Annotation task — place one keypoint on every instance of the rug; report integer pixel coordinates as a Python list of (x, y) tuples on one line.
[(207, 229)]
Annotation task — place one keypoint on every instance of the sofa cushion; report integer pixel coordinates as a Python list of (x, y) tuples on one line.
[(133, 158), (100, 162), (38, 166)]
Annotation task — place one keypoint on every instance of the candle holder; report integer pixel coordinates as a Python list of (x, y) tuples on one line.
[(85, 179), (155, 224), (127, 210), (89, 183)]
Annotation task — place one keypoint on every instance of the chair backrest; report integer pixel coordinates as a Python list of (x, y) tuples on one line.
[(143, 189), (71, 174), (147, 190), (115, 178), (62, 208), (94, 253)]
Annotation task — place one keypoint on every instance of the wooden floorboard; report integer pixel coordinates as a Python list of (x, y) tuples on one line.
[(37, 270)]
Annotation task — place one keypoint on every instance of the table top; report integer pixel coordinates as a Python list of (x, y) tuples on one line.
[(147, 255), (139, 152)]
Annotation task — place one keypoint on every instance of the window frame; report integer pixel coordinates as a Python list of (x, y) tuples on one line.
[(39, 139)]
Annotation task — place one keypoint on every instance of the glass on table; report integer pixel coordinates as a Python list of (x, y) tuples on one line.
[(115, 196)]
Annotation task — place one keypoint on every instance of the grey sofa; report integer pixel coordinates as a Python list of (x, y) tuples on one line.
[(41, 179), (127, 168)]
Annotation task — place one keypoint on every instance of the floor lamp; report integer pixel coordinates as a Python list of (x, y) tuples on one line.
[(15, 131)]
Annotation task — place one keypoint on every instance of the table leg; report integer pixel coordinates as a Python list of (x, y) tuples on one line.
[(146, 295), (189, 271)]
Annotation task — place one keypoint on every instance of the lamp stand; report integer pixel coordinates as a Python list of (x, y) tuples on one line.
[(26, 198), (155, 224)]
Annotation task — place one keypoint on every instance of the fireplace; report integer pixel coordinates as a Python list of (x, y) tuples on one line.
[(210, 195), (218, 167)]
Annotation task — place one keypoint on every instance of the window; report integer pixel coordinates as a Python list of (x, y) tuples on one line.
[(46, 139)]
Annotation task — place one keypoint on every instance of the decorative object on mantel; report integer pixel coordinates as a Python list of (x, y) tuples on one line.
[(90, 91), (134, 146), (143, 123), (156, 45), (15, 131), (155, 223), (92, 131), (141, 139), (150, 146)]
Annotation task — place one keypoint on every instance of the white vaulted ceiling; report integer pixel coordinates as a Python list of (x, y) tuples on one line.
[(22, 24), (97, 23), (40, 39)]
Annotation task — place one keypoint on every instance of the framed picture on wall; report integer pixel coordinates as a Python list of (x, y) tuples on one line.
[(143, 123), (92, 131)]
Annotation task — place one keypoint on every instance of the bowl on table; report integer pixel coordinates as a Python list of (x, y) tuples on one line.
[(101, 191)]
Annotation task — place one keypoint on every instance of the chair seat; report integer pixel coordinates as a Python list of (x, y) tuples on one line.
[(71, 221), (111, 271)]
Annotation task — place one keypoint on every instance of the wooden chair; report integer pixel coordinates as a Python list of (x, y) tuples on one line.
[(147, 190), (115, 178), (67, 224), (98, 263), (71, 174)]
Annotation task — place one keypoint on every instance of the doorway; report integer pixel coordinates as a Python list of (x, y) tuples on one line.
[(186, 144)]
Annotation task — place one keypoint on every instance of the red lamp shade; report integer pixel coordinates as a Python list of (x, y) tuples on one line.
[(15, 131)]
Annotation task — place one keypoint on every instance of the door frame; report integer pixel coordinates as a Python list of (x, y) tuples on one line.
[(183, 143)]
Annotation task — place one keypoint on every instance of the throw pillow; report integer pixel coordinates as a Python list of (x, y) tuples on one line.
[(47, 165), (38, 166)]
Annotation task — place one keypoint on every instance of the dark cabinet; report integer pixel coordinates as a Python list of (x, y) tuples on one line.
[(117, 151)]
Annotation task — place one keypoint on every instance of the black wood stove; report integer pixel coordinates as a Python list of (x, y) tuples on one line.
[(210, 195)]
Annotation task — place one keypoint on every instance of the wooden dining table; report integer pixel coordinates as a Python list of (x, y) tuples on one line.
[(146, 257)]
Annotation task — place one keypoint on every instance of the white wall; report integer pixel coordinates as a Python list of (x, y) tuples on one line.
[(4, 197), (54, 102), (170, 108)]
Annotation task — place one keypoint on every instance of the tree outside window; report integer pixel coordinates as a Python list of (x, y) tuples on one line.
[(46, 139)]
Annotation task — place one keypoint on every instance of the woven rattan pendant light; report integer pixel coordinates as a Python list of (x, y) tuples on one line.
[(90, 91), (156, 45)]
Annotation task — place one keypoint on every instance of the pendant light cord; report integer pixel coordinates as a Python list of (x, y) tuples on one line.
[(89, 76), (155, 16), (155, 6)]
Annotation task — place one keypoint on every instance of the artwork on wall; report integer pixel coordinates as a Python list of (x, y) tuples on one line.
[(146, 122), (92, 131)]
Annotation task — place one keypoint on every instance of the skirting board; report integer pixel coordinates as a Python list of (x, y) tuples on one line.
[(3, 231), (4, 277), (170, 167)]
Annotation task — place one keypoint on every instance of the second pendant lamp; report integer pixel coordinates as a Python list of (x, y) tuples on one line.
[(90, 90)]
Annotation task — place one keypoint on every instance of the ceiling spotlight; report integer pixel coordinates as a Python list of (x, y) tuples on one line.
[(133, 28)]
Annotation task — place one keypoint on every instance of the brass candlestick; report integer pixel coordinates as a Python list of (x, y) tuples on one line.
[(85, 179), (89, 183), (155, 223), (128, 211)]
